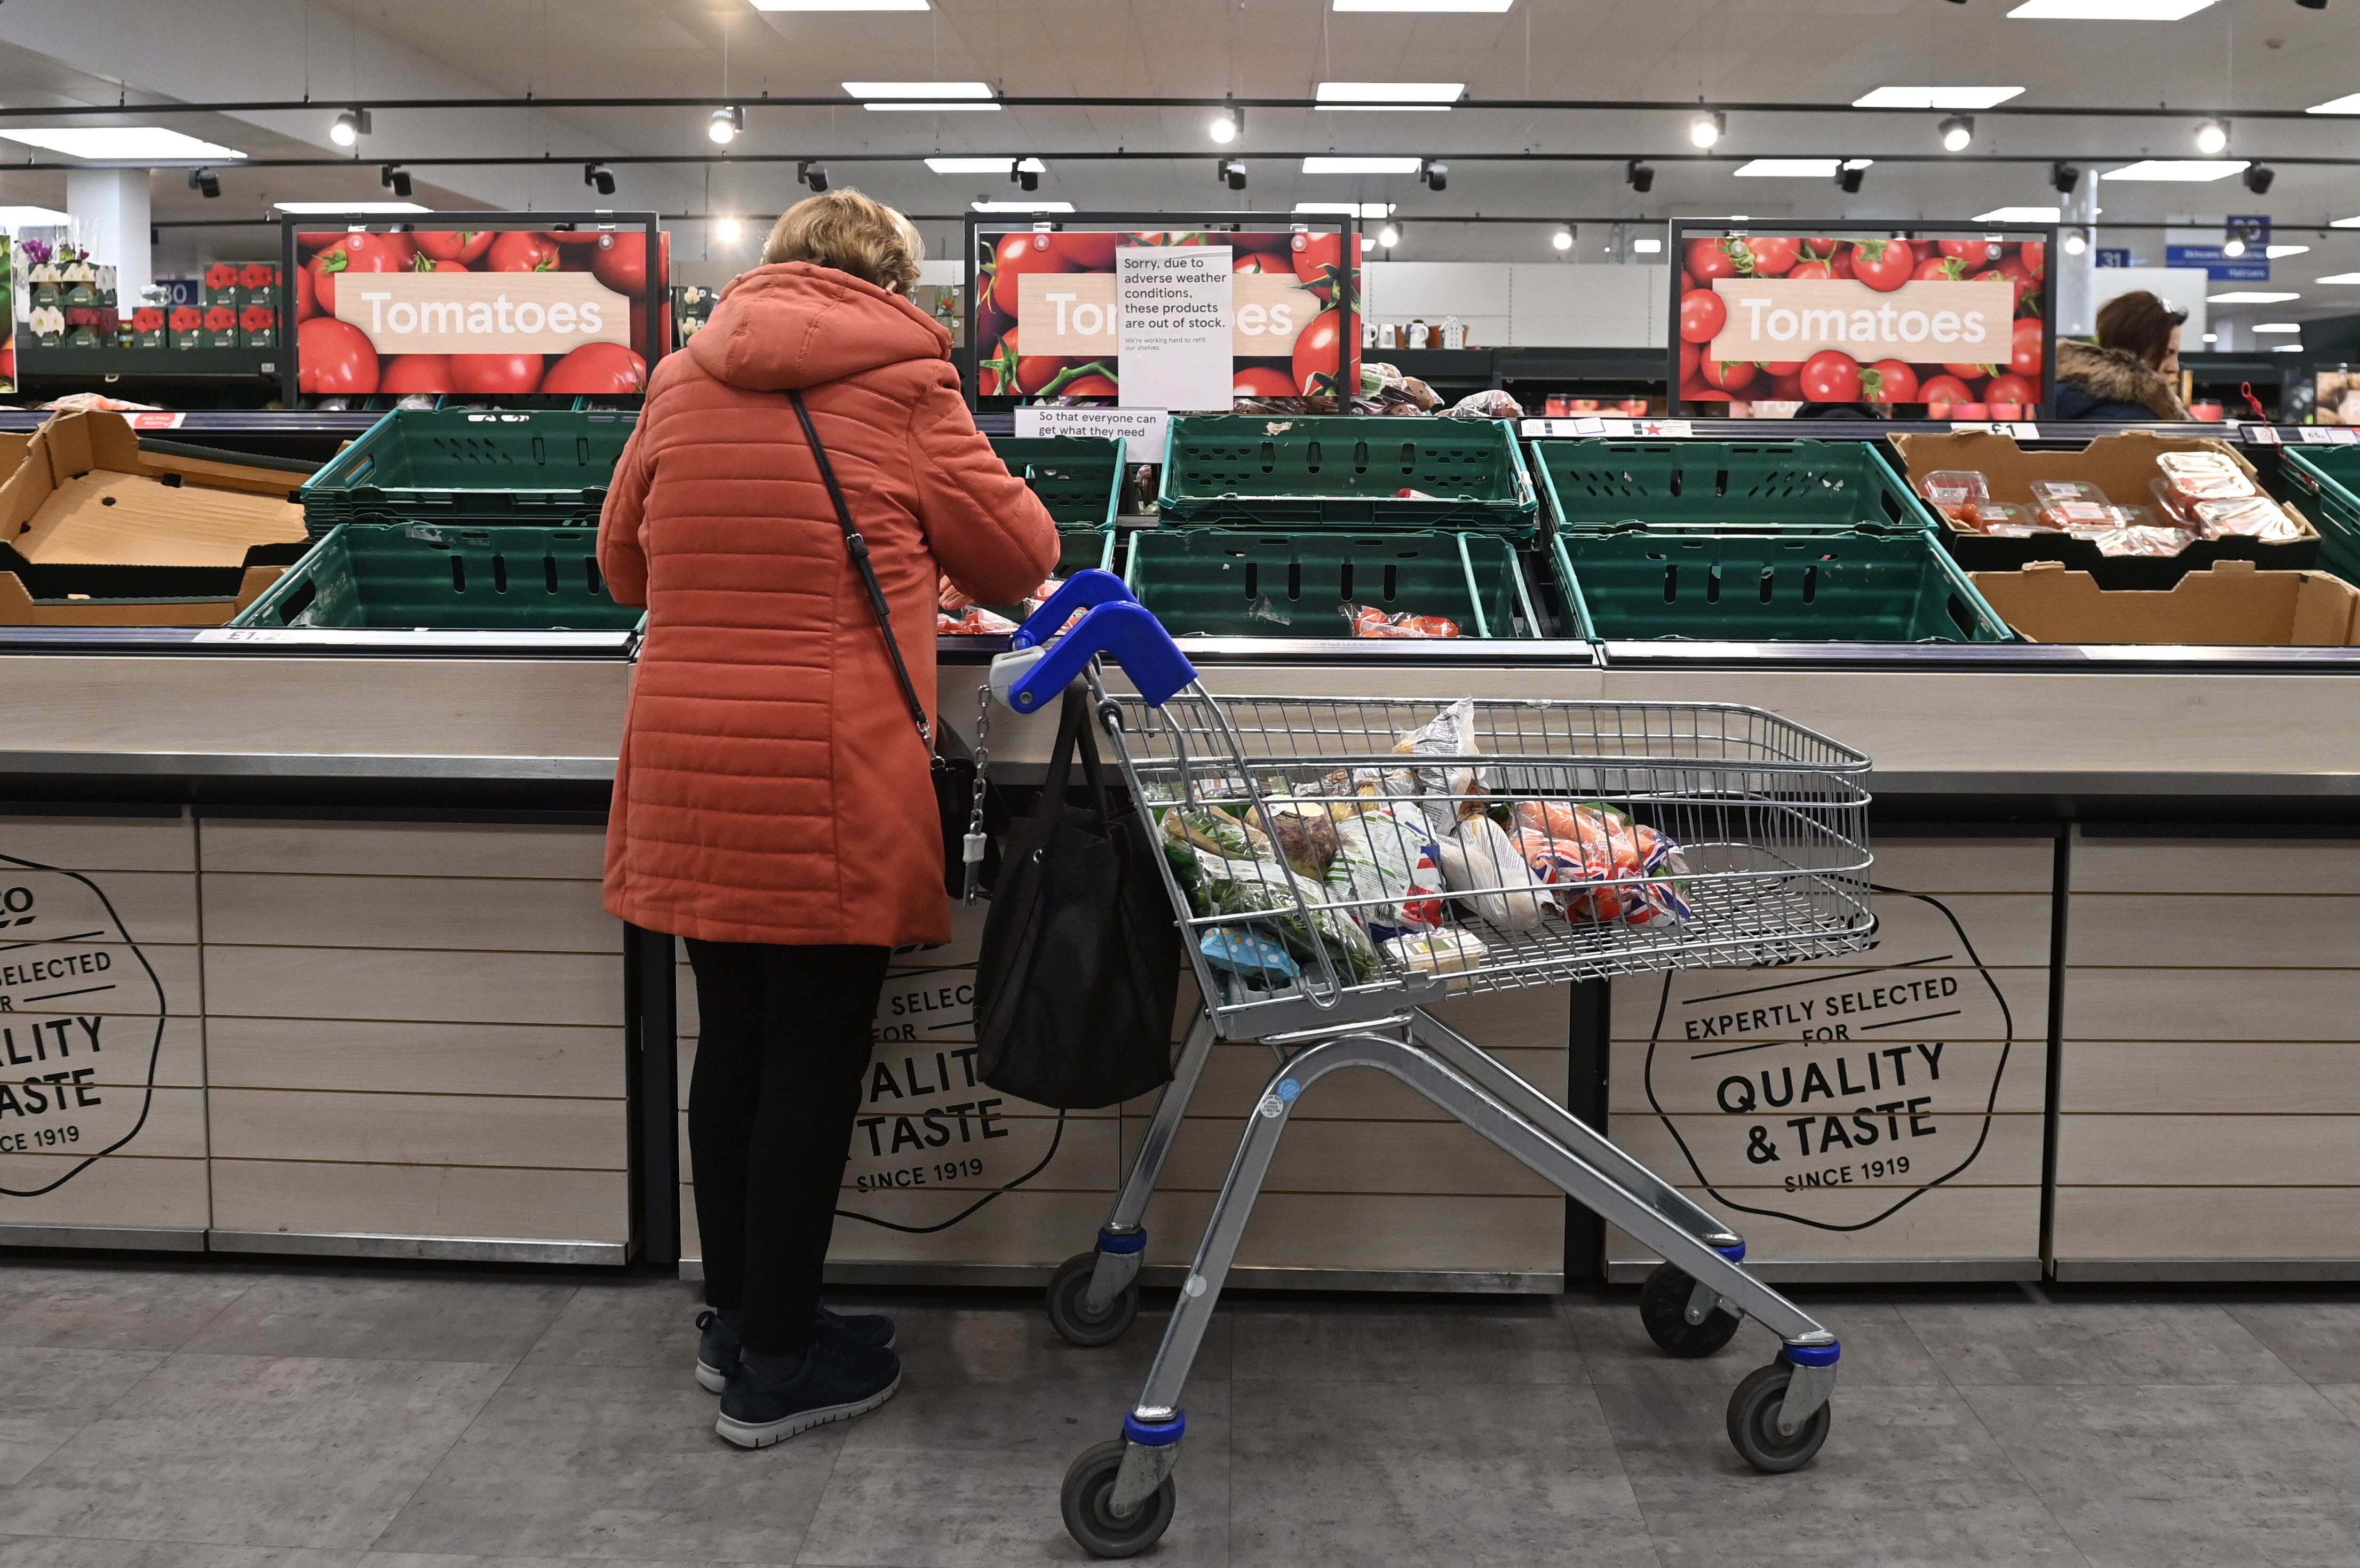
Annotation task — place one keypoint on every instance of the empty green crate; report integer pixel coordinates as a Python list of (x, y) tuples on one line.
[(1838, 585), (1725, 485), (471, 465), (436, 577), (1344, 470), (2330, 476), (1237, 583), (1079, 478)]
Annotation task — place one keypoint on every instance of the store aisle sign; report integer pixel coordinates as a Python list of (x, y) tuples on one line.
[(483, 312), (1785, 319), (1835, 1097), (82, 1022)]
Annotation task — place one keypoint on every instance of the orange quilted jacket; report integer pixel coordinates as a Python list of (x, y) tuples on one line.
[(772, 786)]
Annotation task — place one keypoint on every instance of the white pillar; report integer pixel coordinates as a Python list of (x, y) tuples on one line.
[(109, 209), (2076, 276)]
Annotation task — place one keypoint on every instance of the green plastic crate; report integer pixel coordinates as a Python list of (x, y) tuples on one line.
[(1835, 585), (1079, 478), (1725, 485), (1342, 471), (1237, 583), (471, 465), (438, 577), (2330, 476)]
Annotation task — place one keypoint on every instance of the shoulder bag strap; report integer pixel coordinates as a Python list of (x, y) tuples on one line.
[(858, 547)]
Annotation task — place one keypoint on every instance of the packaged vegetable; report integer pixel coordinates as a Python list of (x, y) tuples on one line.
[(1481, 865), (1267, 890), (2248, 516), (1387, 867), (2185, 478), (1217, 832), (1368, 621), (1596, 857), (1306, 837), (1955, 487), (972, 621), (1436, 953)]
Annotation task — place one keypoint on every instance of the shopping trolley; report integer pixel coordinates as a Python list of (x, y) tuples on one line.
[(1338, 865)]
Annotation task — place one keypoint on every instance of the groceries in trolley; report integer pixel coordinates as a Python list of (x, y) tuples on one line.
[(1420, 866), (957, 614)]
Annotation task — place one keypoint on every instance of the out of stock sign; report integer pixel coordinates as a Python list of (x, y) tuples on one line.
[(483, 312), (1924, 321)]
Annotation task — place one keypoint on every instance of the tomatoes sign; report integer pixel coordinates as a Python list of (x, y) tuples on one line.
[(484, 312)]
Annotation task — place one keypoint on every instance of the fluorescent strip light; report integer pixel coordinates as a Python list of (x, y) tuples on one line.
[(1797, 167), (1348, 208), (2347, 105), (2345, 223), (2190, 170), (2339, 278), (340, 208), (1022, 206), (2250, 296), (951, 108), (2107, 10), (839, 4), (984, 164), (1647, 248), (2286, 348), (919, 88), (1330, 164), (2276, 251), (1389, 94), (32, 218), (2277, 326), (1384, 108), (1935, 97), (120, 144), (1489, 7), (2020, 215)]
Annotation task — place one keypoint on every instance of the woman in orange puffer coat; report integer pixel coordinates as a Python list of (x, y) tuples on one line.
[(773, 802)]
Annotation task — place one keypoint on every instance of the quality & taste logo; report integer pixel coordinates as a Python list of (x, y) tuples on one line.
[(82, 1025), (1835, 1097)]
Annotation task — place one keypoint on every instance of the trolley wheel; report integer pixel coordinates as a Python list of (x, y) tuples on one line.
[(1664, 1309), (1069, 1310), (1089, 1484), (1754, 1422)]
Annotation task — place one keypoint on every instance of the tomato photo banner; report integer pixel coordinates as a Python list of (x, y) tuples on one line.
[(525, 307), (1045, 310), (1938, 321)]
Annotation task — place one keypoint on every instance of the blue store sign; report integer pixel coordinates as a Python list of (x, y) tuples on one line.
[(2198, 247)]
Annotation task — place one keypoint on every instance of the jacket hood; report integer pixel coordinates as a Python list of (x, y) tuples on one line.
[(2113, 376), (796, 324)]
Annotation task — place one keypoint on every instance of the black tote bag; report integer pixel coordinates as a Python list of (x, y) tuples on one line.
[(1080, 964)]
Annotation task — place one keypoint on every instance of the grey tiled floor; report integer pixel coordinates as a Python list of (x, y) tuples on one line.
[(215, 1415)]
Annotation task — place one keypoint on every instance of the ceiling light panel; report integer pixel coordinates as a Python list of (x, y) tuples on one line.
[(1022, 206), (839, 4), (1412, 95), (2107, 10), (2187, 170), (2347, 105), (1348, 208), (984, 164), (2250, 296), (2020, 215), (1487, 8), (1935, 97), (2277, 326), (919, 88), (1336, 165), (32, 218), (340, 208), (2276, 251), (2339, 278), (1797, 167), (120, 144)]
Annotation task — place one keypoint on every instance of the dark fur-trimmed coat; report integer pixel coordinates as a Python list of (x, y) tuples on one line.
[(2095, 383)]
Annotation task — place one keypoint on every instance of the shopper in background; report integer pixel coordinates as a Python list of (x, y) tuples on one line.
[(2131, 371), (773, 802)]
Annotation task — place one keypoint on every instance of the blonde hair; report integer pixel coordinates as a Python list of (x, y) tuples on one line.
[(851, 233)]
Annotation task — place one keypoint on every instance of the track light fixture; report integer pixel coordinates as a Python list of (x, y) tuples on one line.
[(1705, 128), (396, 178), (204, 182), (1228, 125), (349, 126), (2258, 177), (1389, 236), (2074, 242), (1640, 175), (1024, 179), (2063, 177), (599, 177), (2312, 4), (1231, 172), (1434, 174), (727, 122), (812, 174), (1958, 132), (2212, 137), (1563, 238), (1848, 177)]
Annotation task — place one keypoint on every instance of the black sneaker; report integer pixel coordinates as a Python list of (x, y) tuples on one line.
[(717, 1349), (837, 1382), (871, 1331)]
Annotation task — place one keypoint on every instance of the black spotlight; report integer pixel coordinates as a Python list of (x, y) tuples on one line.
[(1024, 179), (2258, 177), (2063, 177), (599, 177), (205, 183), (1231, 172), (1434, 175), (2312, 4), (1848, 179), (396, 178), (813, 175), (1639, 174)]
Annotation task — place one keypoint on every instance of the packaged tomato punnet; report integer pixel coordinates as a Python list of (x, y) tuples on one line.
[(1368, 621)]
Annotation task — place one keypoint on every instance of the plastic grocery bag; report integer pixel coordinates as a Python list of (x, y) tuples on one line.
[(1387, 867)]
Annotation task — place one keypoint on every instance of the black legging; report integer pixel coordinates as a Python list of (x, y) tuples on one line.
[(782, 1047)]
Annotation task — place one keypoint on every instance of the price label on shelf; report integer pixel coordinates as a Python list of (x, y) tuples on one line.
[(2263, 435), (2010, 428), (1677, 429), (156, 418), (2328, 435)]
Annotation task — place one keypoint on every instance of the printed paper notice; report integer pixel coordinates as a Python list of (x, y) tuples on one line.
[(1173, 314)]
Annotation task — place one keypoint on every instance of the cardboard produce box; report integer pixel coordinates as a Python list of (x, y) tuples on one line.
[(97, 529), (2121, 465), (2233, 603)]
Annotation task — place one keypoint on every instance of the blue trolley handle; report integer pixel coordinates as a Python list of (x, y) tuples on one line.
[(1030, 674)]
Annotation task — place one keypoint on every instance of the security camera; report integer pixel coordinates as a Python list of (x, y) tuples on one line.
[(1434, 175)]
